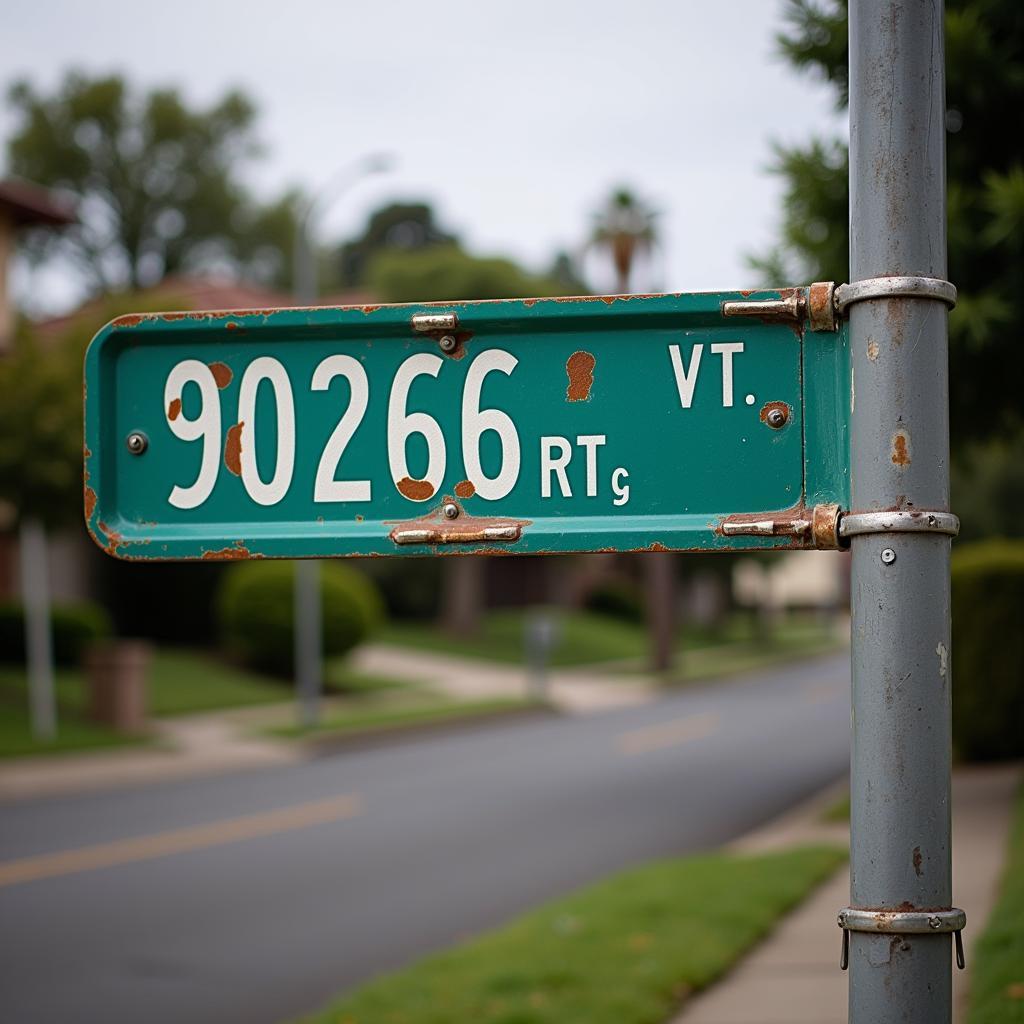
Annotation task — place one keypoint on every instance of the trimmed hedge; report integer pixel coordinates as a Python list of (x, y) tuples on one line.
[(619, 598), (73, 628), (256, 611), (988, 650)]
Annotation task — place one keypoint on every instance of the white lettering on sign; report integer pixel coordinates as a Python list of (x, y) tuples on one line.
[(727, 349), (206, 426), (475, 421), (556, 452), (326, 488), (591, 442), (549, 464), (555, 456), (401, 424), (686, 379), (266, 368), (685, 382), (619, 489)]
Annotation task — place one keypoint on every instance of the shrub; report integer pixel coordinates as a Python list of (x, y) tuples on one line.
[(256, 611), (988, 650), (618, 598), (73, 628)]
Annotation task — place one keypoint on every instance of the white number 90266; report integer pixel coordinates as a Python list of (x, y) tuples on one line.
[(206, 426)]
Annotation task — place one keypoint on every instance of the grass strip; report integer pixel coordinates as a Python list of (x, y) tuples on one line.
[(997, 973), (378, 719), (624, 951), (588, 638)]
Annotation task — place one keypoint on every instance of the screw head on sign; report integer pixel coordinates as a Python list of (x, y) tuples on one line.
[(137, 442), (448, 343), (933, 922), (451, 510), (888, 556), (776, 418)]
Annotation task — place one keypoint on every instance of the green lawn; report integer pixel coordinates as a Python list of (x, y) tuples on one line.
[(587, 638), (423, 709), (997, 973), (624, 951), (180, 682)]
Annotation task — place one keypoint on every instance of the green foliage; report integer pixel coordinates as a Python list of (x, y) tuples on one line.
[(40, 433), (411, 587), (157, 182), (988, 650), (997, 970), (987, 488), (73, 628), (618, 598), (401, 227), (256, 610), (622, 951), (985, 80), (445, 272)]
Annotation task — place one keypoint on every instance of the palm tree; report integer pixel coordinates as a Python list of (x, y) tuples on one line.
[(624, 229)]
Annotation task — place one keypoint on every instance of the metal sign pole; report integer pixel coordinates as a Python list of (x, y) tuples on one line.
[(897, 930)]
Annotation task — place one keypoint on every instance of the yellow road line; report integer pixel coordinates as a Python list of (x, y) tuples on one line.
[(666, 734), (179, 840)]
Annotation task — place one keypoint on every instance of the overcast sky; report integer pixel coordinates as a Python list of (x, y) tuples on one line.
[(515, 119)]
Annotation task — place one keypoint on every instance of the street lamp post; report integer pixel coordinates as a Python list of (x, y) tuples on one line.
[(308, 617)]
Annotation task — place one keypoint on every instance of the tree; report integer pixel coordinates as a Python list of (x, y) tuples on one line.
[(404, 227), (985, 79), (449, 272), (156, 182), (624, 229)]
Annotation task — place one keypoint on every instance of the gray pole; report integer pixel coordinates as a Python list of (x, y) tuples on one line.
[(900, 814), (35, 588)]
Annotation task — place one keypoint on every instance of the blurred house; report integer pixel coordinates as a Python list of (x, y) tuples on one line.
[(795, 580), (22, 206)]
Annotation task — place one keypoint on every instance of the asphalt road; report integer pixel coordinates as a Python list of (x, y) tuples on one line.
[(254, 897)]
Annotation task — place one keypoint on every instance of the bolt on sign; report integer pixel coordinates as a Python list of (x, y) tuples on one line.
[(613, 423)]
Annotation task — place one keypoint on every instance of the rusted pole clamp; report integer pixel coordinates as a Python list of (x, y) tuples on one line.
[(892, 288), (902, 922), (854, 524)]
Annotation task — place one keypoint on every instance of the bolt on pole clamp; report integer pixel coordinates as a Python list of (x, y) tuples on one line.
[(854, 524), (902, 922), (893, 288)]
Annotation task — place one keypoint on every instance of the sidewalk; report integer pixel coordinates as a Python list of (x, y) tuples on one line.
[(793, 977), (222, 741)]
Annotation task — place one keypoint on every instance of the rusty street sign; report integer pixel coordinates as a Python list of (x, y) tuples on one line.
[(663, 422)]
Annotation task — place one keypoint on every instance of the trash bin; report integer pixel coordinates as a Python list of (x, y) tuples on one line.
[(116, 674)]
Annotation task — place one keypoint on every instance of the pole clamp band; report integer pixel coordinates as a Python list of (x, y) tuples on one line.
[(902, 922), (893, 288), (854, 524)]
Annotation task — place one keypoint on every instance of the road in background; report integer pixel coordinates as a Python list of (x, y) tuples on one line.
[(254, 897)]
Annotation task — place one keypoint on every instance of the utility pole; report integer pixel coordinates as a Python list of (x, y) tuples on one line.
[(898, 928)]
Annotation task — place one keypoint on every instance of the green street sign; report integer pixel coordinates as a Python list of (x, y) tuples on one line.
[(662, 422)]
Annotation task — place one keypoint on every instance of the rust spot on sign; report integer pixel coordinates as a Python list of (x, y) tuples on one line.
[(465, 489), (129, 320), (917, 861), (901, 448), (228, 554), (114, 539), (580, 369), (769, 407), (174, 409), (221, 374), (231, 325), (233, 449), (90, 499), (415, 490)]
